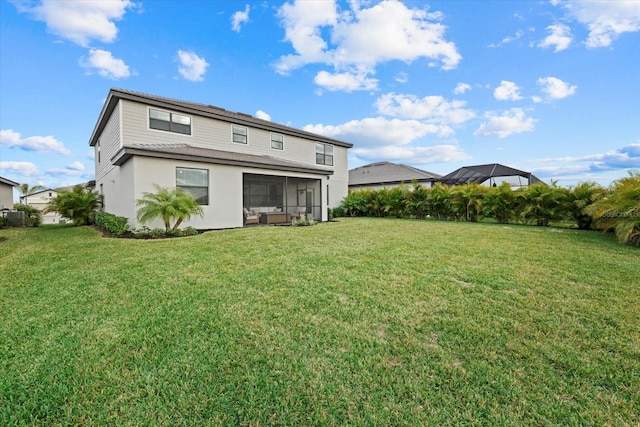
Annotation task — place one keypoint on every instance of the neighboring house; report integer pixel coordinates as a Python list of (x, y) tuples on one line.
[(492, 174), (6, 193), (41, 199), (388, 175), (235, 165)]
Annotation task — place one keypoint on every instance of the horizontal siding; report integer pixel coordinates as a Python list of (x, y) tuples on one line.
[(109, 144), (216, 134)]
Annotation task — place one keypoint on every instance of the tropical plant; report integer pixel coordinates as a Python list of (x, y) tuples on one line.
[(467, 199), (76, 204), (581, 196), (619, 209), (394, 200), (354, 204), (169, 206), (417, 201), (25, 189), (440, 201), (543, 203), (32, 216), (501, 203)]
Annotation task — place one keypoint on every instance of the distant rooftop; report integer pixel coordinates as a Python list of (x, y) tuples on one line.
[(382, 173)]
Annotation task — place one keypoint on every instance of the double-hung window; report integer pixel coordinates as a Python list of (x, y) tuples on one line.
[(277, 141), (239, 134), (172, 122), (194, 182), (324, 154)]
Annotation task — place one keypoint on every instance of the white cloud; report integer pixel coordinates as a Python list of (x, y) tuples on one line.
[(78, 21), (239, 18), (433, 109), (40, 144), (402, 77), (20, 168), (508, 123), (361, 38), (73, 169), (105, 64), (347, 81), (192, 67), (554, 88), (461, 88), (507, 91), (379, 131), (605, 20), (560, 37), (508, 39), (414, 155), (262, 115)]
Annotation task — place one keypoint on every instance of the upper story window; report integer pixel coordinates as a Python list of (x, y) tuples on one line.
[(194, 182), (277, 141), (239, 134), (324, 154), (172, 122)]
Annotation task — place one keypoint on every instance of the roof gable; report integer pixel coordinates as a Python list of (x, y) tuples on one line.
[(8, 182)]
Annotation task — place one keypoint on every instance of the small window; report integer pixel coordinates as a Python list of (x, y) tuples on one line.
[(240, 134), (171, 122), (277, 141), (98, 150), (194, 182), (324, 154)]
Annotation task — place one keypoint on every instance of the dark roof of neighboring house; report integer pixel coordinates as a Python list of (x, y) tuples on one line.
[(481, 173), (203, 110), (8, 182), (206, 155), (388, 173)]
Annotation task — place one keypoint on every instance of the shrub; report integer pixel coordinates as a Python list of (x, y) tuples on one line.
[(32, 216), (338, 212), (76, 204), (113, 224)]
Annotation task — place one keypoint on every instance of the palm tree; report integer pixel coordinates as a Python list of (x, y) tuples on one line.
[(168, 205), (76, 204), (25, 190)]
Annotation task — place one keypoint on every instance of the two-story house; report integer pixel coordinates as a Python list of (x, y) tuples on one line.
[(235, 165)]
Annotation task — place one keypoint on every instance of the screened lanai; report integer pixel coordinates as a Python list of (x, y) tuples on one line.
[(492, 174), (278, 199)]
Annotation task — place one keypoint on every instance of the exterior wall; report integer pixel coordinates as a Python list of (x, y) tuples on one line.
[(110, 142), (409, 185), (6, 196), (224, 210)]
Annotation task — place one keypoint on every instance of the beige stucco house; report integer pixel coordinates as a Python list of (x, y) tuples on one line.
[(6, 193), (40, 200), (237, 166)]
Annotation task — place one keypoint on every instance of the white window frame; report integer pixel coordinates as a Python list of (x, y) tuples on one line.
[(171, 114), (324, 154), (281, 141), (233, 134)]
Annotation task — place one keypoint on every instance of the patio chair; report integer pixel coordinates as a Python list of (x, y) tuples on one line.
[(251, 217)]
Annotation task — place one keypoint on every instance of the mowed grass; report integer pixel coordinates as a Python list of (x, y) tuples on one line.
[(358, 322)]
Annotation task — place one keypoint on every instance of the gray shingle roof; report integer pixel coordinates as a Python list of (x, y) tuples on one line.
[(206, 155), (388, 173), (203, 110)]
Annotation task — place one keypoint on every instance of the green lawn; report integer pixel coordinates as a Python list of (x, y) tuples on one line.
[(358, 322)]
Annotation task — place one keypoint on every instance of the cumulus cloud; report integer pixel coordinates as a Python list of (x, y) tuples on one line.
[(19, 168), (239, 18), (432, 109), (605, 20), (105, 64), (192, 67), (347, 81), (40, 144), (461, 88), (508, 123), (507, 91), (379, 131), (554, 88), (353, 42), (626, 157), (73, 169), (78, 21), (559, 37), (262, 115), (415, 155)]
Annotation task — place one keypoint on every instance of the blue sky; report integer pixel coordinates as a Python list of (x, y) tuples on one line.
[(551, 87)]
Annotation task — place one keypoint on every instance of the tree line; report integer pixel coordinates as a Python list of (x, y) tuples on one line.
[(586, 205)]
